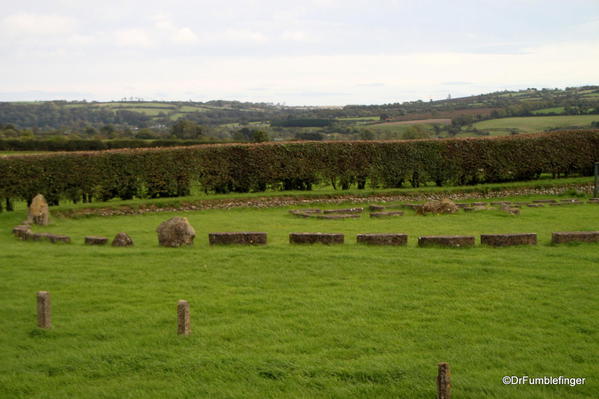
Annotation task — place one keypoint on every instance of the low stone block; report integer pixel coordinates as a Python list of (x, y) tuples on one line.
[(574, 236), (382, 239), (501, 203), (504, 240), (55, 238), (242, 238), (338, 216), (301, 214), (593, 201), (344, 211), (314, 238), (21, 231), (544, 201), (95, 240), (446, 241), (462, 206), (386, 214), (479, 204), (535, 205), (36, 236), (376, 208)]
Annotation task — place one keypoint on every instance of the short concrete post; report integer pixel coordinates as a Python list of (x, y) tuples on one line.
[(184, 326), (444, 382), (43, 309)]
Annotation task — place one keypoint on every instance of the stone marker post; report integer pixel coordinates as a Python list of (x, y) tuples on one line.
[(184, 324), (444, 382), (43, 309)]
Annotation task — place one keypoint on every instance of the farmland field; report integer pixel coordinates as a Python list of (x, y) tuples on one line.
[(347, 321), (534, 124)]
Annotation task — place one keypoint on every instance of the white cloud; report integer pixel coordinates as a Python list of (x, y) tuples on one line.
[(37, 24), (133, 38), (175, 34)]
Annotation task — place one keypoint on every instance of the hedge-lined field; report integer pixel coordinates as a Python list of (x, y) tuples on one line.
[(169, 172)]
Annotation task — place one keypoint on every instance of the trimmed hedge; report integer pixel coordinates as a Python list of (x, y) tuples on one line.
[(221, 168), (90, 144)]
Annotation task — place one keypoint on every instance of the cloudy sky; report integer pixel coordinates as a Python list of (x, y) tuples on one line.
[(311, 52)]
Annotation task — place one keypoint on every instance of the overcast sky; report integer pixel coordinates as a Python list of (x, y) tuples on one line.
[(312, 52)]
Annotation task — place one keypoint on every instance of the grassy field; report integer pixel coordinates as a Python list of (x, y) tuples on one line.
[(535, 124), (286, 321)]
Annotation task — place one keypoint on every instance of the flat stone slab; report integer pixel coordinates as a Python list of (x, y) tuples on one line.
[(501, 203), (382, 239), (544, 201), (462, 205), (376, 208), (240, 238), (446, 241), (314, 238), (574, 236), (339, 216), (504, 240), (301, 214), (344, 211), (95, 240), (535, 205), (385, 214), (479, 204)]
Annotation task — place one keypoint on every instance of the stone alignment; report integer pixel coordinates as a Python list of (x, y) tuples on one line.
[(535, 205), (574, 236), (443, 381), (376, 208), (544, 201), (243, 238), (183, 318), (382, 239), (446, 241), (313, 238), (96, 240), (385, 214), (504, 240), (44, 313)]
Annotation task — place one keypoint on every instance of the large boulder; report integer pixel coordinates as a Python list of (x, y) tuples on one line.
[(175, 232), (438, 207), (38, 211)]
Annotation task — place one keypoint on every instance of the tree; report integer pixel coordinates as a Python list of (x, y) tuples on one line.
[(186, 129)]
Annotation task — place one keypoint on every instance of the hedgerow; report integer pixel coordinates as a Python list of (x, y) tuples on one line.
[(222, 168)]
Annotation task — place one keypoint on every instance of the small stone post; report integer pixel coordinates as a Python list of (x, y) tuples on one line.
[(184, 326), (444, 381), (43, 309)]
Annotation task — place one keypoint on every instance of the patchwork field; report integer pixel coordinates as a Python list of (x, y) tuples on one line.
[(345, 321), (533, 124)]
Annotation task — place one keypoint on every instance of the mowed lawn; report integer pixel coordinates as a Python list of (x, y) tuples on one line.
[(289, 321)]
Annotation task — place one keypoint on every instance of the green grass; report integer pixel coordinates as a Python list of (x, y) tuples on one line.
[(554, 110), (534, 124), (286, 321)]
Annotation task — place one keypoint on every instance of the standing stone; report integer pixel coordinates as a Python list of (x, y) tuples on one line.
[(43, 309), (38, 210), (122, 240), (443, 381), (175, 232), (183, 318)]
